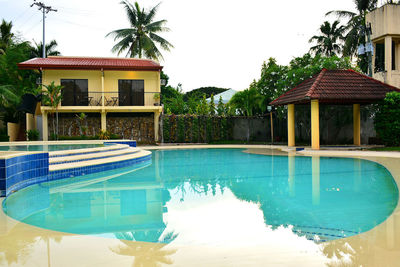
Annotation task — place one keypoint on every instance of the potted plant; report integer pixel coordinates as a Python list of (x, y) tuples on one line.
[(157, 99)]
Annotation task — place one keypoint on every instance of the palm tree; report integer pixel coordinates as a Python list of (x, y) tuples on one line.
[(141, 37), (329, 42), (5, 35), (355, 25), (248, 103), (37, 49), (52, 97)]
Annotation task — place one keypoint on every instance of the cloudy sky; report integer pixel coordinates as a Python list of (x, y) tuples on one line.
[(217, 42)]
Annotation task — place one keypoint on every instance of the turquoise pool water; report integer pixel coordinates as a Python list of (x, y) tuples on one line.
[(215, 196), (47, 147)]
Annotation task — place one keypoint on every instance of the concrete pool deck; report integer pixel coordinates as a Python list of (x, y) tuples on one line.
[(25, 245)]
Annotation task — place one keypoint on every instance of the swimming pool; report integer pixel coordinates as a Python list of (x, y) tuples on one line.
[(47, 147), (215, 196)]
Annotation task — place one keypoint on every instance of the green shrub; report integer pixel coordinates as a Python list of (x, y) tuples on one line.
[(32, 135), (181, 128), (4, 136), (387, 119)]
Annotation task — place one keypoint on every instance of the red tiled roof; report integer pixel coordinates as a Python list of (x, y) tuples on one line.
[(90, 63), (336, 87)]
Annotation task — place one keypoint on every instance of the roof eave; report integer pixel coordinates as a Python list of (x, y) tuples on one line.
[(63, 67)]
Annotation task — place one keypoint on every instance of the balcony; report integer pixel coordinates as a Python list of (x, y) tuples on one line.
[(111, 99), (115, 101)]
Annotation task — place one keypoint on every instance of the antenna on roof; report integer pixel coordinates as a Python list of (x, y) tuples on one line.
[(45, 9)]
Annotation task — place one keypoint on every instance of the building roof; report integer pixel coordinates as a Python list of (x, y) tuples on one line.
[(90, 63), (226, 96), (336, 87)]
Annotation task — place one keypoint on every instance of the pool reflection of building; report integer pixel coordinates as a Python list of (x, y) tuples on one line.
[(105, 205)]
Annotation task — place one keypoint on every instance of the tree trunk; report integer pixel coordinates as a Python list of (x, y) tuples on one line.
[(57, 124)]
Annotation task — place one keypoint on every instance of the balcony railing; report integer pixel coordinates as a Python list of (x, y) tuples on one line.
[(112, 99)]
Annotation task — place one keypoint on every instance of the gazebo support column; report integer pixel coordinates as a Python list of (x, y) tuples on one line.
[(315, 124), (356, 125), (291, 133)]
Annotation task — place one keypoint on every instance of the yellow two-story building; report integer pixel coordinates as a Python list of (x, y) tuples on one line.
[(385, 36), (119, 95)]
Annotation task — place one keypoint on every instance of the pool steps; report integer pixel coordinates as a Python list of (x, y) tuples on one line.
[(95, 158), (72, 152), (91, 156), (21, 169)]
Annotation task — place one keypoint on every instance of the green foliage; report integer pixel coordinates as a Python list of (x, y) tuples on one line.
[(81, 120), (166, 129), (387, 120), (181, 129), (32, 135), (248, 102), (208, 91), (142, 37), (355, 25), (202, 107), (276, 79), (212, 108), (196, 129), (3, 135), (104, 135), (6, 36), (15, 82), (222, 109), (37, 49), (52, 96), (329, 43)]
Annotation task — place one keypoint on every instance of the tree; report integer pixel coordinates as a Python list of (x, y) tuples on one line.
[(141, 38), (14, 81), (329, 42), (5, 36), (37, 49), (221, 108), (52, 97), (387, 119), (355, 26), (247, 102), (212, 105)]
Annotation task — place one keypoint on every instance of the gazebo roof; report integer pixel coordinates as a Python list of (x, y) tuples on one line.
[(336, 87)]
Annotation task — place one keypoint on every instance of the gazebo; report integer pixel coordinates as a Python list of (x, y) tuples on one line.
[(332, 87)]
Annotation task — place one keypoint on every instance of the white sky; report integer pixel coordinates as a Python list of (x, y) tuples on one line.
[(217, 42)]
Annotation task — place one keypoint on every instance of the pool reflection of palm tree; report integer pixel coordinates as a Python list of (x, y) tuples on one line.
[(146, 253), (18, 250)]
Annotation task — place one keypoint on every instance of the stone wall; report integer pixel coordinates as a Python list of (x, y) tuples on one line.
[(136, 127), (69, 125)]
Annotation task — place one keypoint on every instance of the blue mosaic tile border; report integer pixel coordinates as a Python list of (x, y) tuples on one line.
[(68, 173), (21, 171), (94, 158), (16, 171), (89, 152), (130, 143)]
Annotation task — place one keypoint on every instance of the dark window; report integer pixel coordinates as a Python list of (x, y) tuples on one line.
[(380, 57), (75, 92), (393, 55), (131, 92)]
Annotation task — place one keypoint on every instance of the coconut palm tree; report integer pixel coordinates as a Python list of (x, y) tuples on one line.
[(329, 42), (37, 49), (141, 38), (355, 24), (5, 36)]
